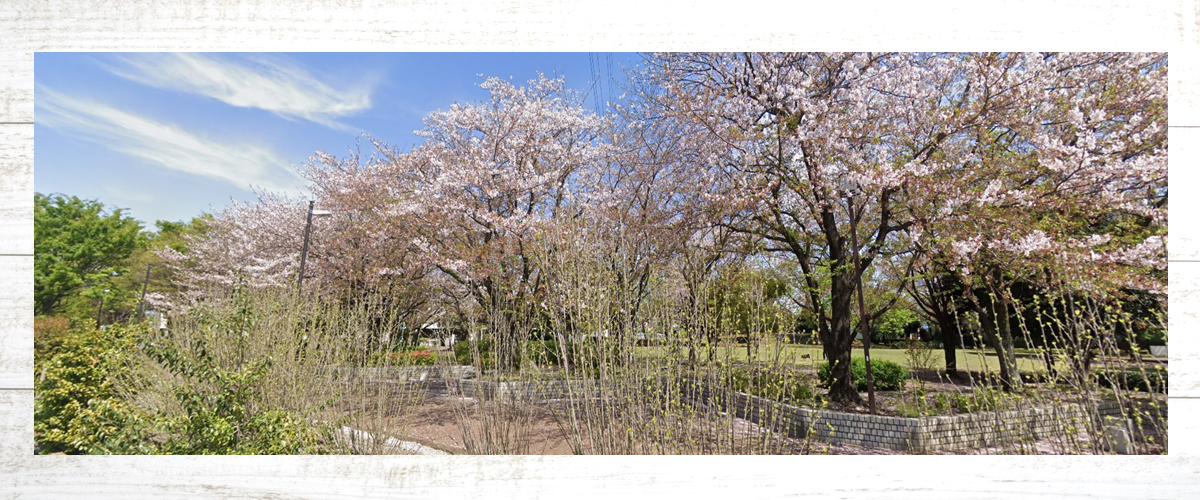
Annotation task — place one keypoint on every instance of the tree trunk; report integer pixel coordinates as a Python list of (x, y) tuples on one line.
[(988, 327), (951, 338), (838, 342), (841, 388), (994, 316), (502, 326), (1009, 355)]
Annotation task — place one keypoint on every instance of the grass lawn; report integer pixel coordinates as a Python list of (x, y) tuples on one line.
[(968, 359)]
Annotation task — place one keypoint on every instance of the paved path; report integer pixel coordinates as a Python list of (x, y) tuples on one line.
[(391, 446)]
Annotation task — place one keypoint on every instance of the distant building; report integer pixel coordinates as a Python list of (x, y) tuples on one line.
[(158, 320)]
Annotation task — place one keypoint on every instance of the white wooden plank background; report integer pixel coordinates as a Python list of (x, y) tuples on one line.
[(349, 25)]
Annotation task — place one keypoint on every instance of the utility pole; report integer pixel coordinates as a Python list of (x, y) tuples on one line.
[(304, 251), (100, 309), (862, 310), (307, 232), (142, 303)]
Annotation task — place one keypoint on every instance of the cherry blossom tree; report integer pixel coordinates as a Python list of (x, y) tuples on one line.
[(366, 253), (786, 129), (643, 210), (256, 244), (912, 137), (987, 169), (1061, 183), (488, 177), (937, 291)]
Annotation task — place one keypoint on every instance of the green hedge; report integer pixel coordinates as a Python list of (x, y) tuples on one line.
[(787, 387), (548, 353), (888, 376), (463, 354), (981, 399), (407, 356), (1150, 380), (77, 409), (542, 353)]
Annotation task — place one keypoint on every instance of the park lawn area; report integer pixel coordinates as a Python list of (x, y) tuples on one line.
[(977, 360)]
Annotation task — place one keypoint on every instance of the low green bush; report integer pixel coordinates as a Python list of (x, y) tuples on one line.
[(465, 351), (415, 357), (548, 353), (585, 356), (1154, 336), (981, 399), (1150, 380), (782, 386), (219, 418), (49, 333), (77, 408), (407, 356), (888, 376)]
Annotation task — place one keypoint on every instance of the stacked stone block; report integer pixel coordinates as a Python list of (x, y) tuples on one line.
[(527, 391), (991, 428), (918, 435), (404, 373)]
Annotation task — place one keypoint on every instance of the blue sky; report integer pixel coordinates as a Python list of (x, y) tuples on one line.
[(170, 136)]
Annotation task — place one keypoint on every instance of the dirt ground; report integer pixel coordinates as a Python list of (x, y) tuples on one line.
[(437, 424)]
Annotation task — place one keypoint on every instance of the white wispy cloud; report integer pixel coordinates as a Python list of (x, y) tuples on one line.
[(269, 83), (165, 145)]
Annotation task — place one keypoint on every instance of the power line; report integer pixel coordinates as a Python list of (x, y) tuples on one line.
[(597, 85), (611, 79)]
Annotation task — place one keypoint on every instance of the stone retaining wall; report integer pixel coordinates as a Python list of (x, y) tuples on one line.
[(527, 391), (834, 427), (919, 435), (404, 373), (998, 428)]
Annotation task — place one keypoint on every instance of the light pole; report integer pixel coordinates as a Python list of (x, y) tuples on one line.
[(850, 188), (307, 232), (142, 303), (100, 309)]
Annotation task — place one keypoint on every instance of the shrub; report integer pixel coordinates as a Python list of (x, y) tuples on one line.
[(941, 403), (407, 356), (582, 359), (547, 352), (222, 419), (980, 400), (77, 408), (897, 324), (888, 376), (420, 358), (49, 333), (220, 382), (1151, 380), (593, 354), (780, 386), (1154, 336), (985, 399), (464, 353), (587, 355)]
